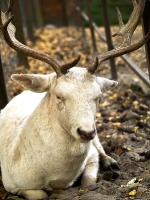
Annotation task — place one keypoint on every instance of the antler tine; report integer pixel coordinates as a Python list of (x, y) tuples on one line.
[(92, 68), (8, 30), (10, 5), (64, 68), (126, 31), (134, 3), (121, 51), (121, 24)]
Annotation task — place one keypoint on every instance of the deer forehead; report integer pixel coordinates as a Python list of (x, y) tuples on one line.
[(78, 81)]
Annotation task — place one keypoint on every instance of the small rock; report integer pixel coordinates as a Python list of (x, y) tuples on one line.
[(144, 107), (142, 159), (134, 138), (117, 140), (134, 156), (132, 115), (110, 175), (104, 113), (147, 154), (141, 135), (105, 120), (128, 129), (139, 139)]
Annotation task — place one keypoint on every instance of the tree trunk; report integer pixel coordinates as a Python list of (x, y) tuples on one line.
[(3, 93), (19, 32)]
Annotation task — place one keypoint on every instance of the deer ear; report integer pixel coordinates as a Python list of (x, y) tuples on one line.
[(33, 82), (106, 84)]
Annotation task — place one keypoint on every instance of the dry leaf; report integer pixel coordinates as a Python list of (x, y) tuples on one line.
[(118, 151), (98, 114), (132, 193), (108, 136), (131, 182), (116, 124), (105, 103), (140, 180), (127, 102), (110, 118), (135, 129), (122, 93), (136, 104), (114, 96), (124, 163), (139, 192)]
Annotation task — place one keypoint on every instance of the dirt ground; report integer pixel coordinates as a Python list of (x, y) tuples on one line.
[(123, 117)]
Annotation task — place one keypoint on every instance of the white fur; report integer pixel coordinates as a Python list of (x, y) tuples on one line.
[(40, 148)]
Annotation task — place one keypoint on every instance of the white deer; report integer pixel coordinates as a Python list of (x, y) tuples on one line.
[(48, 134), (49, 138)]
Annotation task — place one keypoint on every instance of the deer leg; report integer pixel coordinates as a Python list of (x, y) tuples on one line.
[(108, 162), (89, 175), (31, 194)]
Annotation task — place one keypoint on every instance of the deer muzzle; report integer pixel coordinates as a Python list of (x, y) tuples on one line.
[(84, 135)]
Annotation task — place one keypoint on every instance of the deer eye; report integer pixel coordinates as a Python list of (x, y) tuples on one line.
[(58, 97)]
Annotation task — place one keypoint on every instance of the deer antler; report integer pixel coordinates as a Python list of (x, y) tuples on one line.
[(126, 31), (8, 31)]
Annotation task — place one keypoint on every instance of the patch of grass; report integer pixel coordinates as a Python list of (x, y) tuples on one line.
[(148, 120), (12, 197), (135, 87)]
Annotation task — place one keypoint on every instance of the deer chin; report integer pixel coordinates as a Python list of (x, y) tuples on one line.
[(88, 138)]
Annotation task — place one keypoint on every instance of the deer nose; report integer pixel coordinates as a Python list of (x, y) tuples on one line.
[(86, 135)]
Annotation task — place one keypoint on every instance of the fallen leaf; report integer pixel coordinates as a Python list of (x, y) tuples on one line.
[(132, 193), (127, 102), (131, 182), (124, 164), (105, 103), (81, 191), (136, 104), (98, 115), (108, 136), (135, 129), (116, 124), (114, 96), (118, 151), (139, 192), (140, 180)]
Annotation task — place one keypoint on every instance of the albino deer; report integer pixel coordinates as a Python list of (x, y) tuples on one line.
[(48, 134)]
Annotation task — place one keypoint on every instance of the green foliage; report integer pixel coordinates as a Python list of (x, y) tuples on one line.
[(125, 7), (148, 120), (12, 197), (135, 87)]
